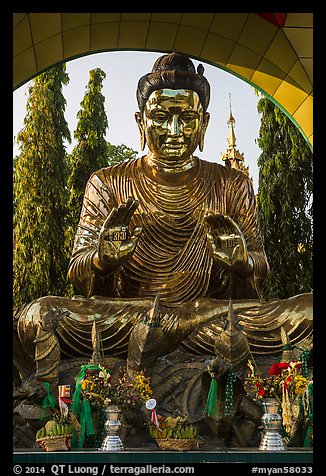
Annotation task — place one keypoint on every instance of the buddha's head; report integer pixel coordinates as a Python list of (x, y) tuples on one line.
[(173, 117)]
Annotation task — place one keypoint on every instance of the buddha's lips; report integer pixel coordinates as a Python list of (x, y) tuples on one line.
[(174, 145)]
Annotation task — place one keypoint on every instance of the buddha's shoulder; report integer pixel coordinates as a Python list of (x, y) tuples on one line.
[(214, 170), (116, 170)]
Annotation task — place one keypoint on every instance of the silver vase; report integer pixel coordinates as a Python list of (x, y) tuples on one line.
[(271, 439), (112, 441)]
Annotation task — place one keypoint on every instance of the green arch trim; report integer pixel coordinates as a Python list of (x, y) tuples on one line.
[(246, 80)]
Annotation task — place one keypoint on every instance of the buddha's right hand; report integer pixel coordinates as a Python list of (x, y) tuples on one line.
[(116, 243), (228, 244)]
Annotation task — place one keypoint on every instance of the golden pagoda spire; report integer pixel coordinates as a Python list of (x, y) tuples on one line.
[(232, 157), (231, 122)]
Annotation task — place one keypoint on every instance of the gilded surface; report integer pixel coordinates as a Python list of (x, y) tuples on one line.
[(175, 250), (166, 223)]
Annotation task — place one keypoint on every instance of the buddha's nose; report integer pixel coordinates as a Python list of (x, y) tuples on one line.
[(174, 126)]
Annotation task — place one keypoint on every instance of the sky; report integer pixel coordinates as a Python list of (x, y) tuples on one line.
[(123, 69)]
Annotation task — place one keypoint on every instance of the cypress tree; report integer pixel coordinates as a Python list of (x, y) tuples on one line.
[(285, 203), (40, 195), (90, 152)]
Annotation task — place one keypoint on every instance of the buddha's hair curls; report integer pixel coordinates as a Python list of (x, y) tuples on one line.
[(173, 71)]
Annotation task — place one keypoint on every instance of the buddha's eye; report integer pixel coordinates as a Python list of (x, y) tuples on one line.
[(189, 116), (158, 116)]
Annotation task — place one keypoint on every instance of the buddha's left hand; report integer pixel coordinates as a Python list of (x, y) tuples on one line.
[(228, 244)]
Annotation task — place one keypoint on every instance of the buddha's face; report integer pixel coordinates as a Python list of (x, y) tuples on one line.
[(173, 122)]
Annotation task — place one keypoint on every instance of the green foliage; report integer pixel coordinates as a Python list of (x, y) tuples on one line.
[(40, 196), (285, 203), (120, 153)]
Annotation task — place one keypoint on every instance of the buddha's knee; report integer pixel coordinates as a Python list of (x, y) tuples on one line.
[(43, 314)]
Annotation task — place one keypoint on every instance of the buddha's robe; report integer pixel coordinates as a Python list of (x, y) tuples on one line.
[(172, 257)]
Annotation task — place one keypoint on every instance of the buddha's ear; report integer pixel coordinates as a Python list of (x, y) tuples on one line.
[(140, 124), (203, 131)]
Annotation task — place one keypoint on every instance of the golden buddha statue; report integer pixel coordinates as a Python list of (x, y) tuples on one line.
[(166, 224)]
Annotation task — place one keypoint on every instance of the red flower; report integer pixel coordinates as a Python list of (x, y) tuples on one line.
[(274, 370), (262, 392), (283, 365)]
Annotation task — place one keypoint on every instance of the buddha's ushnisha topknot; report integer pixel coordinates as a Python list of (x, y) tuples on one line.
[(174, 62), (174, 71)]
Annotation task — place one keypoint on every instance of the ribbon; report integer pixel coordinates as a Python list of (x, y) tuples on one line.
[(228, 409), (49, 401), (308, 439), (83, 408), (304, 359), (86, 423), (154, 419), (287, 415), (306, 409), (211, 405)]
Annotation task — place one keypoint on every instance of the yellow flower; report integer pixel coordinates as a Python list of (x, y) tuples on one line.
[(84, 384), (301, 383)]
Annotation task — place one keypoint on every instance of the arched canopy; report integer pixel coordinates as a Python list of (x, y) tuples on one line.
[(272, 51)]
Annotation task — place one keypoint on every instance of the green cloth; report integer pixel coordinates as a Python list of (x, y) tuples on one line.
[(211, 406), (308, 418), (308, 440), (49, 401), (86, 423), (82, 407)]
